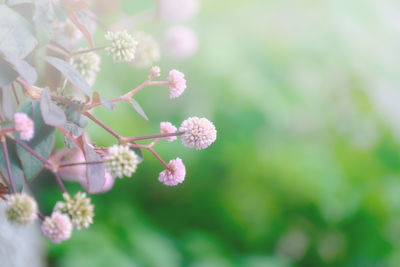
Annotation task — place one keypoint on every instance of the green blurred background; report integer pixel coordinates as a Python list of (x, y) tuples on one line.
[(305, 170)]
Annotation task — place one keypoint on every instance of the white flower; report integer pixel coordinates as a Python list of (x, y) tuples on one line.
[(88, 64), (21, 209), (199, 132), (121, 161), (122, 47), (147, 50)]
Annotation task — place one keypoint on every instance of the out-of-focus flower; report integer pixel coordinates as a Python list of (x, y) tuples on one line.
[(177, 83), (21, 209), (57, 228), (24, 126), (180, 42), (88, 65), (122, 47), (68, 156), (147, 50), (79, 209), (166, 128), (121, 161), (154, 72), (199, 132), (108, 184), (179, 10), (175, 174)]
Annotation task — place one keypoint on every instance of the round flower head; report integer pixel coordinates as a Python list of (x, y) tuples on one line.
[(79, 209), (175, 174), (166, 128), (122, 46), (24, 126), (179, 10), (180, 42), (147, 50), (21, 209), (57, 228), (88, 65), (177, 83), (199, 132), (154, 72), (121, 161)]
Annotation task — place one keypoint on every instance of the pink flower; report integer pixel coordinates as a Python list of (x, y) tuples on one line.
[(175, 174), (68, 156), (180, 42), (166, 128), (199, 132), (57, 228), (179, 10), (177, 83), (155, 72), (24, 126), (108, 184)]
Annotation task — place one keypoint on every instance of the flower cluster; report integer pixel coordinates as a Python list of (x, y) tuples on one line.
[(57, 228), (147, 50), (199, 133), (121, 161), (78, 208), (24, 126), (174, 174), (21, 209), (168, 128), (88, 64), (177, 83), (122, 47)]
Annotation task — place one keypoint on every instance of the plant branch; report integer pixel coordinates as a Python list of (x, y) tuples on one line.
[(105, 127), (5, 152), (79, 163), (137, 138), (88, 50)]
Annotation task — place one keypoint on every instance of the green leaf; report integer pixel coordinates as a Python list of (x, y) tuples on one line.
[(26, 71), (71, 74), (7, 102), (16, 38), (44, 13), (138, 152), (51, 113), (7, 74), (16, 170), (95, 172), (136, 106), (42, 142)]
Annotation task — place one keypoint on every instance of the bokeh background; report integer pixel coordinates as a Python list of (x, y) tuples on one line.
[(305, 171)]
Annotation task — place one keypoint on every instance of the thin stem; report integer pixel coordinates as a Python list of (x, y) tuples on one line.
[(15, 93), (128, 95), (137, 138), (80, 163), (60, 183), (30, 150), (8, 130), (88, 50), (41, 216), (5, 152), (58, 50), (105, 127), (158, 157)]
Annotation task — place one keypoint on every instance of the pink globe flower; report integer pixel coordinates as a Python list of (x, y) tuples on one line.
[(154, 72), (175, 174), (57, 228), (180, 42), (199, 132), (24, 126), (166, 128), (177, 83), (179, 10)]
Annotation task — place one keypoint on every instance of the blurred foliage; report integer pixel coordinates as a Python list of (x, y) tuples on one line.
[(305, 170)]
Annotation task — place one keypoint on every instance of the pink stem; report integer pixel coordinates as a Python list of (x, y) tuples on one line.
[(130, 139), (60, 183), (30, 150), (15, 93), (8, 130), (105, 127), (79, 163), (88, 50), (5, 152), (158, 157)]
